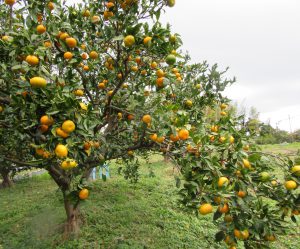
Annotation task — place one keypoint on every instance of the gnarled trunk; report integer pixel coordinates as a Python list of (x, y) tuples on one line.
[(72, 225), (6, 182)]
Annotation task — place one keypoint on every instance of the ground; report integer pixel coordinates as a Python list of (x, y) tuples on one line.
[(118, 214)]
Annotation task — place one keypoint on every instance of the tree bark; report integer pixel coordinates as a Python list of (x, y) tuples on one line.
[(7, 182), (72, 225)]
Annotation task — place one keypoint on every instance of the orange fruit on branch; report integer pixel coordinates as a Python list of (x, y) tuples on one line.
[(68, 55), (146, 119), (38, 82), (61, 151), (290, 185), (71, 42), (183, 134), (61, 133), (205, 208), (46, 120), (32, 60), (129, 41), (10, 2), (93, 55), (68, 126), (83, 194), (41, 29)]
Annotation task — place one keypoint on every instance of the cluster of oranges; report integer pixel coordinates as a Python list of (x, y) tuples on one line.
[(67, 127), (45, 122)]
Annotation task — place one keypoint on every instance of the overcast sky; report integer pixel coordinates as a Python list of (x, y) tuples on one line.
[(258, 39)]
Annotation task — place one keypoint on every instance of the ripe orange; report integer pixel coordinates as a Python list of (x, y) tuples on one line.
[(109, 5), (84, 56), (153, 65), (223, 106), (51, 6), (63, 36), (175, 70), (10, 2), (46, 120), (32, 60), (7, 38), (120, 115), (134, 68), (38, 82), (241, 234), (68, 164), (296, 170), (222, 139), (246, 164), (95, 19), (153, 137), (231, 139), (160, 82), (183, 134), (61, 133), (174, 138), (79, 92), (130, 117), (129, 40), (86, 68), (47, 44), (68, 55), (43, 128), (101, 85), (109, 93), (41, 29), (147, 40), (146, 119), (61, 151), (205, 209), (160, 73), (86, 146), (223, 113), (223, 208), (83, 194), (71, 42), (241, 194), (290, 185), (214, 128), (223, 181), (107, 15), (83, 106), (93, 55), (160, 139), (68, 126)]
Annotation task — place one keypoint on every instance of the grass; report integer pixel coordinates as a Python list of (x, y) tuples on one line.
[(285, 149), (117, 215)]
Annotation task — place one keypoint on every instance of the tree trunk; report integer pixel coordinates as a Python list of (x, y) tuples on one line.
[(7, 182), (72, 225)]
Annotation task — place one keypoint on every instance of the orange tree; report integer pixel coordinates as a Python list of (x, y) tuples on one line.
[(105, 80)]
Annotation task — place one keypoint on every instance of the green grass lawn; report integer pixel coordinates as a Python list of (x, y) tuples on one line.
[(118, 214)]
